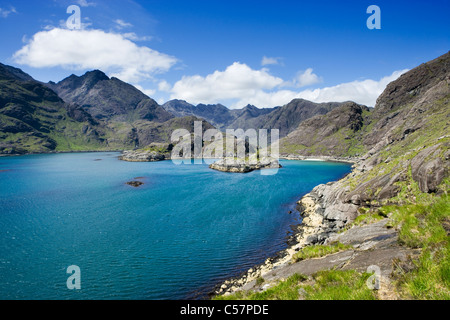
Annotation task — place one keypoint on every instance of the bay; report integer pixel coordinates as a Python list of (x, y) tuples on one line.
[(185, 230)]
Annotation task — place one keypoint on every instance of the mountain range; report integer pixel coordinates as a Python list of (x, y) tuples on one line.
[(88, 113), (95, 112), (286, 118)]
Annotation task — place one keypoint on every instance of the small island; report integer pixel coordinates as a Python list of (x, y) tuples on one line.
[(235, 165), (152, 153), (135, 184)]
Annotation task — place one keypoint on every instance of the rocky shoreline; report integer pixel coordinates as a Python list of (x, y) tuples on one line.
[(323, 216)]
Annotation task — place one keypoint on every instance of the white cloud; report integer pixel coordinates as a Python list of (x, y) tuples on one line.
[(148, 92), (270, 60), (134, 37), (164, 86), (122, 24), (93, 49), (85, 3), (242, 85), (4, 13), (364, 92), (307, 78), (236, 82), (63, 24)]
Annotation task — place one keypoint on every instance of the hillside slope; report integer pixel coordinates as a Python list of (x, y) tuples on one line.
[(336, 134), (97, 114), (34, 119), (406, 137), (402, 181), (109, 99)]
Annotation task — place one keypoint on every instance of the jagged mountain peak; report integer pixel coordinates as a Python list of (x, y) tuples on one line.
[(109, 98), (94, 76), (12, 73), (411, 85)]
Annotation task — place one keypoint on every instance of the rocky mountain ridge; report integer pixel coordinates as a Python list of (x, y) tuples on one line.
[(97, 113), (403, 156), (285, 118)]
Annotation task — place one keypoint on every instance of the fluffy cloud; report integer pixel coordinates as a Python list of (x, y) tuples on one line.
[(243, 85), (307, 78), (236, 82), (164, 86), (364, 92), (93, 49)]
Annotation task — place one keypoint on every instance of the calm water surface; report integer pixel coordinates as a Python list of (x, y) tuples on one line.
[(185, 230)]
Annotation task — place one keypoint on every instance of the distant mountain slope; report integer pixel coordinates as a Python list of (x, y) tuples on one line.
[(34, 119), (115, 116), (286, 118), (337, 133), (11, 73), (403, 144), (217, 114), (109, 99), (407, 105)]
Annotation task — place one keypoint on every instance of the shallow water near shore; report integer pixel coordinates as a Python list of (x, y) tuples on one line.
[(185, 230)]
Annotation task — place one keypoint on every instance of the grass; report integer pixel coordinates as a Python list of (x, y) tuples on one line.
[(284, 290), (323, 285), (339, 285), (318, 251), (156, 148), (426, 227), (431, 278), (366, 216)]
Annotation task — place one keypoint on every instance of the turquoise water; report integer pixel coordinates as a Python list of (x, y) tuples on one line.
[(185, 230)]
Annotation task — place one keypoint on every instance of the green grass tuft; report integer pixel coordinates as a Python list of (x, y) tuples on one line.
[(426, 227), (318, 251)]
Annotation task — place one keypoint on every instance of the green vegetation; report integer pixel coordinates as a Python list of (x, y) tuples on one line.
[(260, 280), (284, 290), (323, 285), (318, 251), (292, 148), (367, 216), (159, 148), (339, 285), (426, 227)]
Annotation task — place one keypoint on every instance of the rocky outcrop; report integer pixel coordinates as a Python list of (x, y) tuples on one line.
[(369, 246), (143, 156), (135, 184), (429, 167), (243, 166)]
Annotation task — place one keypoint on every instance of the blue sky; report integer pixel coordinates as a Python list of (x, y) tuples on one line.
[(232, 52)]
